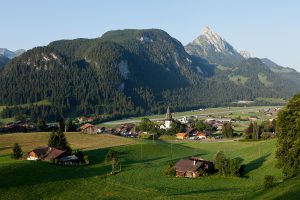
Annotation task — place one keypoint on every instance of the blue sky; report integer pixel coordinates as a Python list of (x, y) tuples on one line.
[(266, 28)]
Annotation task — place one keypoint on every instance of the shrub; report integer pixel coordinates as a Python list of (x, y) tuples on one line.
[(169, 170), (265, 135), (86, 159), (17, 151), (268, 182), (110, 155)]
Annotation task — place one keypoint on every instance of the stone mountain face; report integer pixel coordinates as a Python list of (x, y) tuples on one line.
[(214, 48)]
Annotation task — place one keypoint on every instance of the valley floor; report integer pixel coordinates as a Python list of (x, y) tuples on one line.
[(142, 171)]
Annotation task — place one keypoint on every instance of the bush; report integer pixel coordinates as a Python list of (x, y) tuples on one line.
[(169, 170), (110, 155), (86, 159), (269, 181), (17, 151), (265, 136)]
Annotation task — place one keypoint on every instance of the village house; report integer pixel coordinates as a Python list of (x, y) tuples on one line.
[(191, 132), (55, 153), (37, 153), (191, 168), (182, 136), (91, 129), (201, 135)]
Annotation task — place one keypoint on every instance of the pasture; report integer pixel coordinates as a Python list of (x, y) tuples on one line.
[(142, 170)]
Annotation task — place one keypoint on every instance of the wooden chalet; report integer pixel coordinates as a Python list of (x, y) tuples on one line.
[(90, 129), (37, 153), (182, 136), (191, 167), (55, 153)]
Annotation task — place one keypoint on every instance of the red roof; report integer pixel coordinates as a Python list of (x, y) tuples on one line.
[(54, 153), (39, 151), (85, 126)]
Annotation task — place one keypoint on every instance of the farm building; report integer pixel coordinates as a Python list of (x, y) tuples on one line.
[(37, 153), (90, 129), (55, 153), (182, 136), (191, 168)]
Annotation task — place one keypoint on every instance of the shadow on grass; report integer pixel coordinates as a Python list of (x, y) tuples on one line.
[(30, 173), (203, 191), (257, 163)]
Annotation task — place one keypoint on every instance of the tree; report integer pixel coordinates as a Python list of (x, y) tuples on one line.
[(257, 131), (227, 130), (220, 163), (249, 131), (288, 138), (200, 125), (42, 124), (58, 139), (17, 151), (227, 166)]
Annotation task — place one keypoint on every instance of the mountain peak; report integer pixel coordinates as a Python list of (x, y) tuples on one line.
[(211, 46)]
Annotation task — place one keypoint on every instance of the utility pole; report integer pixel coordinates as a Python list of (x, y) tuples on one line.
[(171, 151), (141, 151)]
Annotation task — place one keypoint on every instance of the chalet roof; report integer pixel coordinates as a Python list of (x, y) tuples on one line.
[(85, 126), (189, 130), (181, 134), (54, 153), (187, 165), (40, 150)]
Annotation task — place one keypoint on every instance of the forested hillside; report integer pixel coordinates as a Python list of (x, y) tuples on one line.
[(126, 73)]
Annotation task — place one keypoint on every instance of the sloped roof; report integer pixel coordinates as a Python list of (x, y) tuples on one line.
[(85, 126), (187, 165), (40, 150), (54, 153)]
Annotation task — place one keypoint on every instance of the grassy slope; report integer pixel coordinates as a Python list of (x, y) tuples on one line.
[(141, 177)]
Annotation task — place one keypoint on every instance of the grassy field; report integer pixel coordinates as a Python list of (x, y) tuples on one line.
[(141, 176)]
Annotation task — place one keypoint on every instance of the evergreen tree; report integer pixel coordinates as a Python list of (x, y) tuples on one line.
[(227, 130), (58, 139), (249, 131), (288, 138), (17, 151)]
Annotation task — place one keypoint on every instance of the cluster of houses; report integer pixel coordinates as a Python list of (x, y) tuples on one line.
[(192, 134), (17, 126), (50, 154), (126, 130)]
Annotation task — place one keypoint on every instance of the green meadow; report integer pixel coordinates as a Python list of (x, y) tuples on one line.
[(142, 172)]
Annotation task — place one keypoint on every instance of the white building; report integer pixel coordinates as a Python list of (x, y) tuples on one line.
[(168, 120)]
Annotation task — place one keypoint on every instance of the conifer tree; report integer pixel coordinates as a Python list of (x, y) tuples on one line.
[(17, 151)]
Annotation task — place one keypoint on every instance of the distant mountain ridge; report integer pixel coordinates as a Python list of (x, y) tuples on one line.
[(11, 54), (134, 72), (6, 55)]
